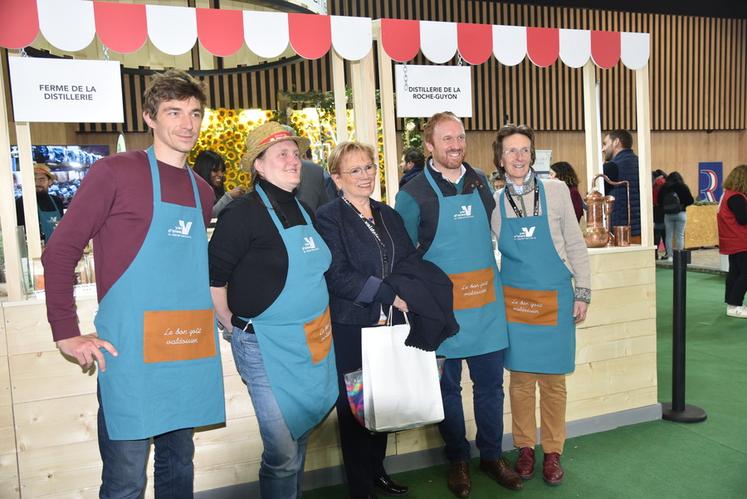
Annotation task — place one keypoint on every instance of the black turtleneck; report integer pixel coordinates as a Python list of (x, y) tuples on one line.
[(247, 253)]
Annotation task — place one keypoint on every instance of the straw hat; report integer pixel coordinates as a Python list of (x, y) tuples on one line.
[(266, 135), (44, 170)]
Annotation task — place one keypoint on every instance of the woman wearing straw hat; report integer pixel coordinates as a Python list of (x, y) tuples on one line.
[(267, 265)]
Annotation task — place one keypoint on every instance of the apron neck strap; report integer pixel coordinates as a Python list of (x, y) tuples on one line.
[(273, 209), (429, 175), (156, 180)]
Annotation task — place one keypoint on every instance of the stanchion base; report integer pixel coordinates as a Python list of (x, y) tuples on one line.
[(691, 414)]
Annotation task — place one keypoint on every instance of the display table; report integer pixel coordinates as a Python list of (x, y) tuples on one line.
[(48, 406)]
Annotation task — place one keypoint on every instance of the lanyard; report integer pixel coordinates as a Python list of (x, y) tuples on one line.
[(367, 222), (517, 210)]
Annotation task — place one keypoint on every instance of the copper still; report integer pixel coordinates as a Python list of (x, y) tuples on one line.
[(598, 232)]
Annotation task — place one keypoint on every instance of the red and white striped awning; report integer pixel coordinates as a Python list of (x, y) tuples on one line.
[(70, 25)]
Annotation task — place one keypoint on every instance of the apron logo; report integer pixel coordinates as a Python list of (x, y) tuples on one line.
[(309, 245), (527, 233), (464, 212), (181, 230)]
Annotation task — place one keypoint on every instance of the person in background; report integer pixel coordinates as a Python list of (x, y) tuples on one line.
[(412, 164), (564, 171), (367, 240), (732, 239), (499, 181), (658, 178), (313, 188), (267, 265), (210, 166), (621, 163), (547, 284), (446, 212), (49, 207), (146, 212), (675, 197)]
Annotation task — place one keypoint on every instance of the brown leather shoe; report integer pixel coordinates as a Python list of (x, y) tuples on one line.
[(459, 482), (525, 463), (552, 472), (502, 473)]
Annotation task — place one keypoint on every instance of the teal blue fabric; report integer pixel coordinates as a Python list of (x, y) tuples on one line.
[(305, 391), (530, 261), (170, 272), (409, 210), (463, 244), (48, 220)]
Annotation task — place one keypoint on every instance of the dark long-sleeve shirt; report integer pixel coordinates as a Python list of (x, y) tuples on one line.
[(683, 192), (247, 252), (114, 207), (738, 206)]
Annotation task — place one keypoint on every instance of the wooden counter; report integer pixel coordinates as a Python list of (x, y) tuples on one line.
[(48, 406)]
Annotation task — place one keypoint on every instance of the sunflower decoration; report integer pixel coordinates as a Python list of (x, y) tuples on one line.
[(224, 131)]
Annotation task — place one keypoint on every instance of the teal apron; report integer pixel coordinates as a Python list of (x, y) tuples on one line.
[(538, 293), (295, 332), (462, 247), (159, 317), (48, 220)]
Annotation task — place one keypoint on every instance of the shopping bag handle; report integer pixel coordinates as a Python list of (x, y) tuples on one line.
[(390, 316)]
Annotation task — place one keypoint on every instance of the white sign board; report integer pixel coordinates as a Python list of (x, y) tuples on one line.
[(423, 91), (543, 160), (66, 90)]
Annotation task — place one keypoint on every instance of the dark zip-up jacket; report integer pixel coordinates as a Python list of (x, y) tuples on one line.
[(359, 263)]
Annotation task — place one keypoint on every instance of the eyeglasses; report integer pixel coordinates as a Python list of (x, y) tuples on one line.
[(361, 171), (514, 151)]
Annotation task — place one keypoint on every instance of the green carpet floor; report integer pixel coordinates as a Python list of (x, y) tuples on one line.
[(657, 459)]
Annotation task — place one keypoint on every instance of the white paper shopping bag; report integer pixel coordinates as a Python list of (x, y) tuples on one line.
[(400, 383)]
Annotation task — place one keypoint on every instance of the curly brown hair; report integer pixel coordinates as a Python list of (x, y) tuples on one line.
[(565, 172), (506, 131), (737, 179)]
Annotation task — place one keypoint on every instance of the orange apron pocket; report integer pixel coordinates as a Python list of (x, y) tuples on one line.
[(529, 306), (172, 335), (319, 336), (473, 289)]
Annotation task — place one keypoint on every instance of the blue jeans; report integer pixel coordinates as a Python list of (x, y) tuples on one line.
[(486, 372), (674, 226), (123, 476), (281, 469)]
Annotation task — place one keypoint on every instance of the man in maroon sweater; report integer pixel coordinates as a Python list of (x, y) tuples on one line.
[(146, 213)]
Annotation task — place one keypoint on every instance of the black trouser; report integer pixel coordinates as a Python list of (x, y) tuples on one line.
[(659, 235), (362, 451), (736, 279)]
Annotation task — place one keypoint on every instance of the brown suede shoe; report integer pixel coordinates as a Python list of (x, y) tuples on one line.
[(525, 464), (502, 473), (552, 472), (459, 482)]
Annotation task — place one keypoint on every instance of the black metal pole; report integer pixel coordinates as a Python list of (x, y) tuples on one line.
[(678, 410)]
